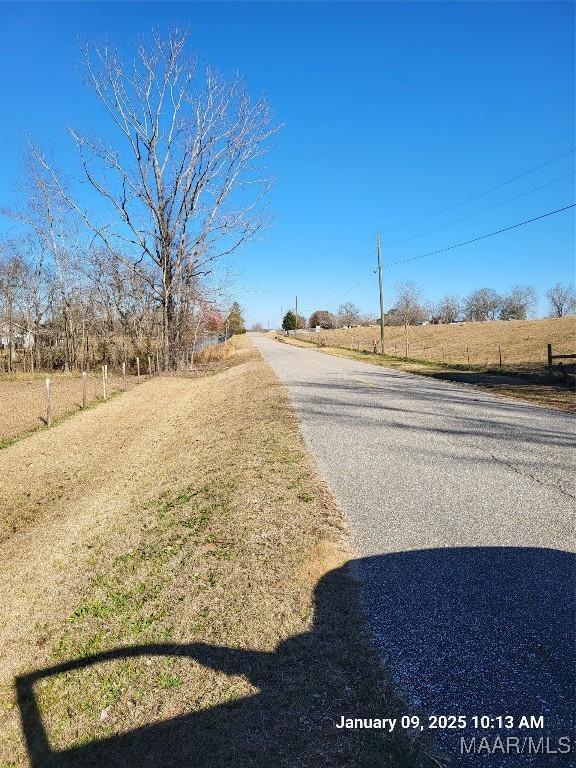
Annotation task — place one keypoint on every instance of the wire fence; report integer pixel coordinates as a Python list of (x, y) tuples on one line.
[(29, 400), (505, 357)]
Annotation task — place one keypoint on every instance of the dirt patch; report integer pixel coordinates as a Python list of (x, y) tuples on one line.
[(175, 589)]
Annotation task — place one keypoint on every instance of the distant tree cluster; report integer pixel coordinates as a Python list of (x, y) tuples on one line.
[(409, 307)]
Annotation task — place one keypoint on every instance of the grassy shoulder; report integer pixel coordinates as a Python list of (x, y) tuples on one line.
[(533, 389), (22, 396), (187, 591)]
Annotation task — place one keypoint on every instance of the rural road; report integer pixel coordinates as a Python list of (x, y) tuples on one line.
[(461, 505)]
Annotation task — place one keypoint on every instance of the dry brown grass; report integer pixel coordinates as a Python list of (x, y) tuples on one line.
[(522, 343), (185, 518), (22, 395), (214, 353), (23, 404)]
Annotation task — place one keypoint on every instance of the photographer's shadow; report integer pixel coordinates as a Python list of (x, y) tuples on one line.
[(462, 631)]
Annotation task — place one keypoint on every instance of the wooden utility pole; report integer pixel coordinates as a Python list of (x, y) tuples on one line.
[(381, 295), (296, 326)]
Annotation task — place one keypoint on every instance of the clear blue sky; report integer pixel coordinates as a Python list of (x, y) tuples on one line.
[(391, 111)]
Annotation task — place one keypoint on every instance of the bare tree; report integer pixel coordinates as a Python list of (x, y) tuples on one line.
[(408, 303), (482, 304), (181, 182), (13, 272), (562, 300), (518, 303), (449, 309), (348, 314)]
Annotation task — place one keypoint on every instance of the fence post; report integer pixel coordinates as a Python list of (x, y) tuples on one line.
[(124, 375), (48, 403), (468, 354), (149, 366), (104, 382), (442, 347), (549, 359), (84, 382), (157, 363), (500, 354), (138, 369)]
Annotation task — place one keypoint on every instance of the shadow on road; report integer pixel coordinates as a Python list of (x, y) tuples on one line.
[(461, 631)]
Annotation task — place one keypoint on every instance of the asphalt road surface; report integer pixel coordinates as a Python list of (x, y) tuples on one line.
[(461, 505)]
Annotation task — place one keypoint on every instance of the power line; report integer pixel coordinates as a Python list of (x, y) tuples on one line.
[(341, 281), (481, 237), (452, 247), (484, 210), (364, 258), (480, 194)]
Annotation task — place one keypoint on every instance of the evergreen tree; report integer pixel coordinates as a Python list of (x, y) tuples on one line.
[(289, 321), (236, 319)]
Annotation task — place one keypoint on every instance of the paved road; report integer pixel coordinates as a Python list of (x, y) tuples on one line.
[(462, 509)]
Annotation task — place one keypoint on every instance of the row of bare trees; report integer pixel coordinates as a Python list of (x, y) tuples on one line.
[(125, 261), (483, 304)]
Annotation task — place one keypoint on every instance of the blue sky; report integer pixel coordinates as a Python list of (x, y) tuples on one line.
[(391, 112)]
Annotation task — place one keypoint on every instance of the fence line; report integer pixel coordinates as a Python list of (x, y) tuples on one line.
[(61, 395), (475, 357)]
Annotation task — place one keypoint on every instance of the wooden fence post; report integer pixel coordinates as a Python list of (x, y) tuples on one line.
[(149, 366), (500, 354), (442, 347), (549, 359), (104, 382), (138, 370), (48, 403), (84, 382), (468, 354)]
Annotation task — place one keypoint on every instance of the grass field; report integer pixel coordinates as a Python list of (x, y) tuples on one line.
[(174, 562), (522, 344), (23, 399)]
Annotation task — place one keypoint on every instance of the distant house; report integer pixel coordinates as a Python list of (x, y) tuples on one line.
[(21, 337)]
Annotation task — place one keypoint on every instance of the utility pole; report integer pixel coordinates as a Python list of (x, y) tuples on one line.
[(381, 295), (296, 328)]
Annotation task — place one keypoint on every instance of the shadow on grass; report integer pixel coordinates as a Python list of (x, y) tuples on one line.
[(469, 631)]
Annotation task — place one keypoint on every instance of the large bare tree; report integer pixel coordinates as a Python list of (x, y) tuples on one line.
[(180, 171), (562, 300)]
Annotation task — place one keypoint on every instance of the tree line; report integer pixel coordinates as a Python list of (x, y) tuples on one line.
[(124, 262), (410, 308)]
